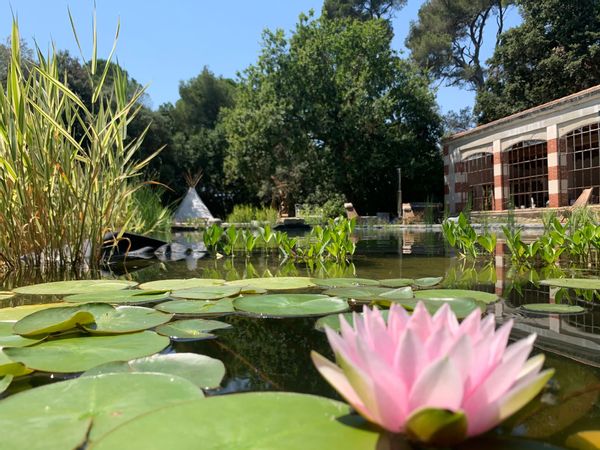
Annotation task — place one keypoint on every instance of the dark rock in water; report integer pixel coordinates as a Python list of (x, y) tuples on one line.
[(129, 245)]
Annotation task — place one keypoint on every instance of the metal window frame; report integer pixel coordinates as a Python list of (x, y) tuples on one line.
[(480, 179), (527, 163), (582, 147)]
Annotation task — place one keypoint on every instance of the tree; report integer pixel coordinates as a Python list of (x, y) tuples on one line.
[(448, 37), (457, 121), (333, 109), (193, 137), (361, 9), (553, 53)]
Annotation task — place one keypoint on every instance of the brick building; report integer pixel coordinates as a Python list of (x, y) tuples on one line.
[(543, 156)]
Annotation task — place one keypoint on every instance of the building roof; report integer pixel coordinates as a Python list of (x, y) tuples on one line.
[(527, 112)]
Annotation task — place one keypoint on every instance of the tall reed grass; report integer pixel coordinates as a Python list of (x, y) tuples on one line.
[(67, 170)]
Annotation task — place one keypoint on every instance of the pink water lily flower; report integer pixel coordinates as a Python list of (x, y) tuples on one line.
[(392, 372)]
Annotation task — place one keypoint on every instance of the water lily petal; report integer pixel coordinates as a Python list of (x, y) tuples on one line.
[(438, 386), (409, 358), (337, 379), (521, 394), (420, 322)]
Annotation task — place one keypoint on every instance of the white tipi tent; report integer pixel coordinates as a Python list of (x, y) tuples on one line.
[(192, 207)]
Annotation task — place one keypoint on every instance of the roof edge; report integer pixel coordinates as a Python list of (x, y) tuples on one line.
[(521, 114)]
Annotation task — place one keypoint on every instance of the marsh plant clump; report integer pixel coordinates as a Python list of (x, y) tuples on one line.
[(68, 169)]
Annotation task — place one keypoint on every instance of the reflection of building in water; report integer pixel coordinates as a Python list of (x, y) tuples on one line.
[(572, 336), (408, 239)]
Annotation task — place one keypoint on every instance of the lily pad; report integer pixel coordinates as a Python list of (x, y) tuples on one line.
[(290, 305), (10, 367), (6, 294), (197, 307), (207, 293), (573, 283), (360, 293), (333, 320), (252, 290), (178, 284), (10, 339), (265, 420), (191, 329), (126, 319), (73, 413), (18, 312), (481, 296), (553, 308), (427, 282), (584, 440), (127, 296), (396, 282), (5, 382), (398, 294), (344, 282), (461, 307), (54, 320), (71, 355), (74, 287), (204, 371), (275, 283)]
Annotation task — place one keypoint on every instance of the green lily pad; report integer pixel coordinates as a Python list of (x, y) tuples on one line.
[(10, 367), (427, 282), (251, 290), (18, 312), (191, 329), (10, 339), (197, 307), (204, 371), (207, 293), (71, 355), (275, 283), (5, 382), (333, 320), (69, 414), (553, 308), (6, 294), (258, 420), (290, 305), (573, 283), (396, 282), (126, 319), (398, 294), (461, 307), (584, 440), (55, 320), (178, 284), (74, 287), (359, 293), (437, 427), (481, 296), (344, 282), (127, 296)]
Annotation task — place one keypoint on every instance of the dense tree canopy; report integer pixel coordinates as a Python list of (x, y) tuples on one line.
[(555, 52), (448, 37), (333, 109), (361, 9)]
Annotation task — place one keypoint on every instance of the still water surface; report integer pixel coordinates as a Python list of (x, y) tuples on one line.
[(273, 354)]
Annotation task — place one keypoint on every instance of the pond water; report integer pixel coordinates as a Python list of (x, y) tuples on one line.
[(273, 354)]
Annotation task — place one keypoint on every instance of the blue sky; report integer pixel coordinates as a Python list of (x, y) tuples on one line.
[(163, 42)]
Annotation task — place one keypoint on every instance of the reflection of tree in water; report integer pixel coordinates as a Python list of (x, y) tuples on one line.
[(268, 354)]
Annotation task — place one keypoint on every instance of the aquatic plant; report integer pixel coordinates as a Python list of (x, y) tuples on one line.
[(248, 213), (67, 169), (461, 235), (330, 242), (430, 377)]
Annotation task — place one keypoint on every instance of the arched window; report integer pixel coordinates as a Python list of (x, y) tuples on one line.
[(583, 161), (528, 174), (480, 178)]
